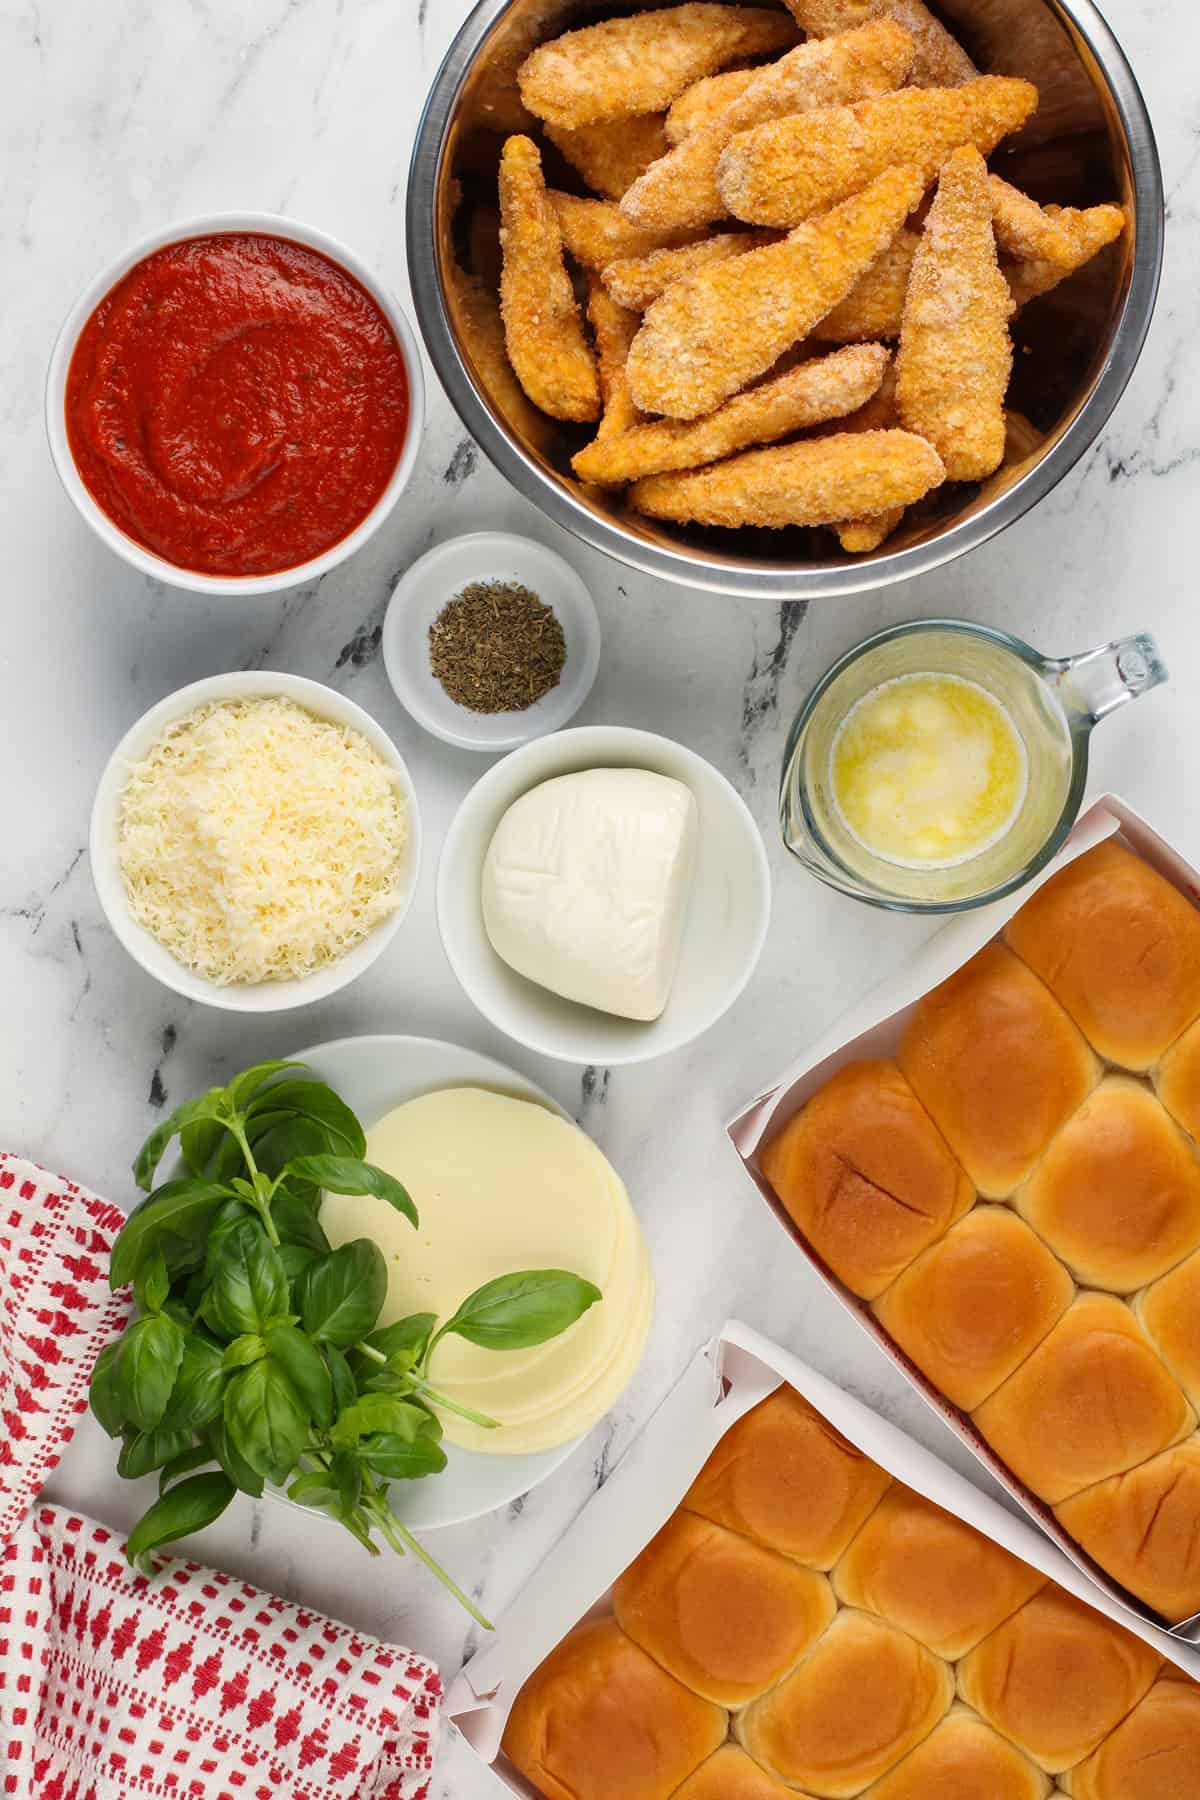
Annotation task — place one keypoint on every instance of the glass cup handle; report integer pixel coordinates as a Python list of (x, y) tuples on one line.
[(1095, 683)]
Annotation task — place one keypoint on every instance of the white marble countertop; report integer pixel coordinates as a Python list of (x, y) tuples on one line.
[(118, 118)]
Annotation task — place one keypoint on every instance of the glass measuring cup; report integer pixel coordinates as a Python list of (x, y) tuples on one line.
[(1054, 704)]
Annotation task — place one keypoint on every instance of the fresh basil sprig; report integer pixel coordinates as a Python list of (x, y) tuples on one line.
[(256, 1354)]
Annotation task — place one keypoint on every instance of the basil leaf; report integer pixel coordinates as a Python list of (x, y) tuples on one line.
[(249, 1285), (316, 1488), (233, 1462), (396, 1378), (200, 1142), (211, 1105), (144, 1451), (305, 1368), (347, 1474), (145, 1367), (412, 1333), (320, 1106), (340, 1295), (264, 1419), (189, 1507), (103, 1392), (517, 1311), (152, 1283), (398, 1459), (243, 1351), (295, 1259), (231, 1212), (377, 1412), (275, 1137), (199, 1386), (179, 1209), (228, 1160), (431, 1425), (296, 1222), (183, 1464), (346, 1175), (243, 1089), (335, 1490), (194, 1290), (344, 1390)]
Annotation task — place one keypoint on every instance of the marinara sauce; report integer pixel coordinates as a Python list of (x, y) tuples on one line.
[(237, 403)]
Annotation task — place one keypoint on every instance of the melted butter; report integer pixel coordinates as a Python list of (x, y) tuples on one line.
[(928, 771)]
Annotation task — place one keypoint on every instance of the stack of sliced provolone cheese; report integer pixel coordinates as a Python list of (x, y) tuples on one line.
[(503, 1185)]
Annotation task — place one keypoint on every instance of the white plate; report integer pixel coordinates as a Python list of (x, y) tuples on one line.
[(728, 911), (373, 1075), (437, 577)]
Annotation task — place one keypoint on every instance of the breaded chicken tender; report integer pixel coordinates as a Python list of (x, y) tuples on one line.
[(859, 536), (788, 169), (681, 188), (637, 281), (475, 314), (1042, 245), (1039, 247), (874, 306), (640, 64), (1092, 231), (825, 388), (714, 332), (955, 354), (1023, 228), (815, 482), (1022, 439), (614, 328), (611, 156), (705, 100), (542, 327), (595, 232), (940, 59)]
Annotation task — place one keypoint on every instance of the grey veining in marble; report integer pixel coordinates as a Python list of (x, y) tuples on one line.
[(117, 118)]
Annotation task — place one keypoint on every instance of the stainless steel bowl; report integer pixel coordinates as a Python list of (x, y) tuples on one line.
[(1076, 347)]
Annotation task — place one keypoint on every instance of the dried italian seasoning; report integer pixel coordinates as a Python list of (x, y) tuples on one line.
[(496, 647)]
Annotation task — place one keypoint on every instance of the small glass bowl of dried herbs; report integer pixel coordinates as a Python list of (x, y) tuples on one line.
[(490, 640)]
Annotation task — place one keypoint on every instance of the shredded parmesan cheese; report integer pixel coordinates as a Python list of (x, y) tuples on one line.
[(258, 842)]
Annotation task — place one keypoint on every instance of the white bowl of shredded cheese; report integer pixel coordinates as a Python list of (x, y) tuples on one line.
[(255, 841)]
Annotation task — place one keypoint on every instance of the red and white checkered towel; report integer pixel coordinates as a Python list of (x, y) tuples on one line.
[(193, 1686)]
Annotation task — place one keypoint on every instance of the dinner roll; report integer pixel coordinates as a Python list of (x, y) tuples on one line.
[(969, 1311), (1120, 947), (866, 1175), (1056, 1678), (732, 1775), (998, 1066), (1177, 1080), (1154, 1754), (1117, 1194), (1092, 1400), (1170, 1311), (864, 1696), (931, 1574), (723, 1615), (784, 1477), (1144, 1529), (599, 1717), (963, 1759)]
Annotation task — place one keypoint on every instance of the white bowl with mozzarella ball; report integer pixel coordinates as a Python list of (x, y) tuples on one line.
[(145, 949), (725, 923)]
